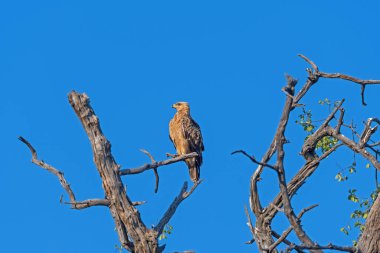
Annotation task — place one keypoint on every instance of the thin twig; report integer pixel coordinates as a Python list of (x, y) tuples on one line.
[(253, 159), (154, 169)]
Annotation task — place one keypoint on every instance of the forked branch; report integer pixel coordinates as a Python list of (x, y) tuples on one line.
[(66, 186), (287, 232), (316, 74), (262, 231)]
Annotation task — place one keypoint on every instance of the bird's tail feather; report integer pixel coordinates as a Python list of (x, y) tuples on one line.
[(194, 173), (194, 169)]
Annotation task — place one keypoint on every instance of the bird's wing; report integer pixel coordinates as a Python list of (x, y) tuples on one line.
[(171, 132), (192, 132)]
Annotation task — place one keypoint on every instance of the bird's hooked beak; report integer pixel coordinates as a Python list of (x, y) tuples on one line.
[(173, 106)]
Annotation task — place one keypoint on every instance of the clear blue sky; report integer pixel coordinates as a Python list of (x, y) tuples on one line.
[(134, 59)]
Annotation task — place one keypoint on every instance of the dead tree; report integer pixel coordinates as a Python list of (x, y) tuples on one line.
[(266, 238), (133, 234)]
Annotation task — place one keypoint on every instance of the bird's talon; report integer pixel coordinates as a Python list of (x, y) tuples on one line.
[(171, 155)]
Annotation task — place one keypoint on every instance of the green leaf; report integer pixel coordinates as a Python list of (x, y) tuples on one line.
[(344, 230), (367, 166)]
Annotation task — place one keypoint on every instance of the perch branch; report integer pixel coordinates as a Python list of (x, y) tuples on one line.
[(148, 166)]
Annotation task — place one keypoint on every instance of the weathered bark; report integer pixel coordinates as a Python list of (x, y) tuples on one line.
[(369, 241), (127, 217)]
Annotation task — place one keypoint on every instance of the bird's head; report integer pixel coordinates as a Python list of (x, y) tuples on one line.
[(182, 107)]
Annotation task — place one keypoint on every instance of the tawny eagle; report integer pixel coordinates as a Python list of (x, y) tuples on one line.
[(186, 136)]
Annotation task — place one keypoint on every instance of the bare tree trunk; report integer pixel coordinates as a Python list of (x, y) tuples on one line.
[(126, 216), (369, 242)]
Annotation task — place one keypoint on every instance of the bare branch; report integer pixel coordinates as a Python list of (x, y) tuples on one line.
[(315, 67), (374, 144), (287, 232), (314, 76), (340, 121), (288, 210), (312, 79), (277, 208), (362, 94), (154, 169), (349, 78), (249, 223), (88, 203), (354, 146), (313, 161), (173, 207), (332, 114), (298, 180), (51, 169), (287, 242), (320, 247), (254, 199), (138, 203), (368, 132), (252, 158), (156, 164), (149, 155), (280, 140)]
